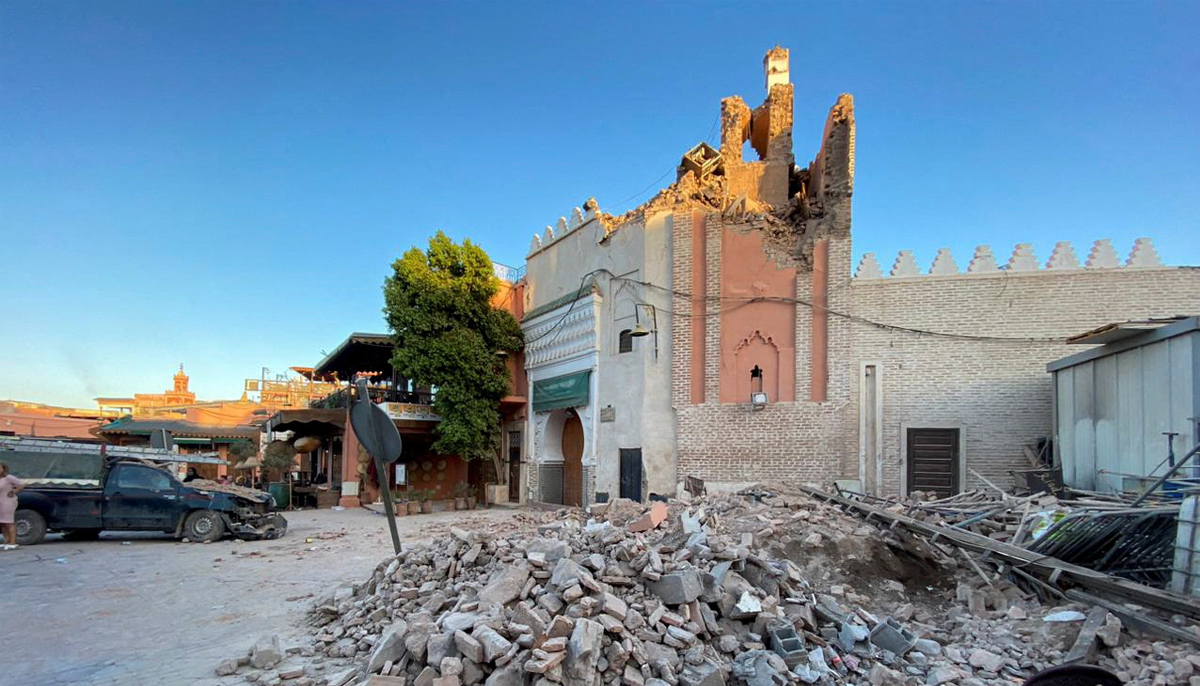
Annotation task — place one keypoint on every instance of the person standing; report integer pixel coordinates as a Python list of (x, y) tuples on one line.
[(10, 486)]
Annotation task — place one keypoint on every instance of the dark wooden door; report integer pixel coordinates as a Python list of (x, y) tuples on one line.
[(933, 461), (572, 450), (631, 473), (514, 466)]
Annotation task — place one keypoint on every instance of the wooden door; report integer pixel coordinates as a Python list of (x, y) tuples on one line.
[(514, 466), (631, 473), (933, 461), (572, 450)]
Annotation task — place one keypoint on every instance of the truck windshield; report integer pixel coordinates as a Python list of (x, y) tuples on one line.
[(144, 478)]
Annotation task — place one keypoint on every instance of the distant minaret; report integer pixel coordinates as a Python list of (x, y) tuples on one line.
[(181, 380)]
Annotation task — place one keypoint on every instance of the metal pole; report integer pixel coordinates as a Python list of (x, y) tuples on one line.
[(385, 484), (1168, 475), (381, 470)]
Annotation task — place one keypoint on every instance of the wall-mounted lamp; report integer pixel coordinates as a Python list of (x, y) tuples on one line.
[(639, 330), (758, 397)]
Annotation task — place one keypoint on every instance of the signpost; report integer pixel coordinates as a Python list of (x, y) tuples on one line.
[(378, 435)]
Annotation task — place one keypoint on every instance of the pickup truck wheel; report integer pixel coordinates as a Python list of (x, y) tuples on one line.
[(31, 527), (202, 526)]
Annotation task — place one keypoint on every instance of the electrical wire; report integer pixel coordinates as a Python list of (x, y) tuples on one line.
[(741, 302), (577, 298), (711, 131)]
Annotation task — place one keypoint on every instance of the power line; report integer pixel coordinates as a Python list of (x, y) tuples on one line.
[(741, 302)]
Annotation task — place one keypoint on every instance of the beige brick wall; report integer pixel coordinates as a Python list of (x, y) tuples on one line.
[(998, 391)]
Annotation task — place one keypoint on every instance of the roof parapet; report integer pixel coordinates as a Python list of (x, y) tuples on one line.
[(1063, 258), (553, 234)]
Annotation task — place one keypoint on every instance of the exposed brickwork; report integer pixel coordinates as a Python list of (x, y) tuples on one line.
[(681, 327), (712, 291), (796, 440)]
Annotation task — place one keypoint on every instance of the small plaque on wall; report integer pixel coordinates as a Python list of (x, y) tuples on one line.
[(608, 414)]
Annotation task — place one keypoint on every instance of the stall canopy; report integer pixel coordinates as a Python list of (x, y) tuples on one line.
[(568, 390)]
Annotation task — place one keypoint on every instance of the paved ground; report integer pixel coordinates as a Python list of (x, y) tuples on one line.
[(145, 609)]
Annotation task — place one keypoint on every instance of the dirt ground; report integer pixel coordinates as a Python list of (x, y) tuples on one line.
[(134, 609)]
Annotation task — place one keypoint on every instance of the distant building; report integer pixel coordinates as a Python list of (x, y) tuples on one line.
[(145, 404), (341, 464), (19, 418), (187, 437), (283, 391)]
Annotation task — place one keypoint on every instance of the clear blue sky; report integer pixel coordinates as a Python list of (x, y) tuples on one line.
[(226, 184)]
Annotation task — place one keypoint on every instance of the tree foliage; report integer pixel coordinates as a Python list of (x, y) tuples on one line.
[(241, 450), (279, 457), (448, 336)]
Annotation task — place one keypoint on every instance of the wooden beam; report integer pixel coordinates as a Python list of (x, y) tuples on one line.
[(1139, 621)]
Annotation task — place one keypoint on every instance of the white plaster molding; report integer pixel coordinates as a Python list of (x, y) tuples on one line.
[(983, 262), (547, 237), (1103, 256), (943, 263), (591, 209), (1143, 254), (905, 264), (560, 229), (564, 333), (576, 219), (538, 451), (535, 245), (1063, 257), (868, 267), (1023, 259)]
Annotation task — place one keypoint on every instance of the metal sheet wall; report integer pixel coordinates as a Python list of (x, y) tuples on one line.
[(1111, 412)]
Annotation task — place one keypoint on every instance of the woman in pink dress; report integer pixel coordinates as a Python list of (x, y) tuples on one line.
[(10, 486)]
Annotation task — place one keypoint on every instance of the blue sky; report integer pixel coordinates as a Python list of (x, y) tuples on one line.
[(226, 184)]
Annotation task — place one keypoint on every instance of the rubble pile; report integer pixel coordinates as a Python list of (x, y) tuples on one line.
[(757, 588)]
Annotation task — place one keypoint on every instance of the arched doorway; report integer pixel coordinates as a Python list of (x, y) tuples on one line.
[(572, 451)]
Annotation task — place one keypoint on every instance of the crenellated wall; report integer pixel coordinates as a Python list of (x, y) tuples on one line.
[(552, 234), (1023, 259), (968, 350)]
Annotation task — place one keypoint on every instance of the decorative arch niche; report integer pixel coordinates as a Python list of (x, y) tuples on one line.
[(756, 350)]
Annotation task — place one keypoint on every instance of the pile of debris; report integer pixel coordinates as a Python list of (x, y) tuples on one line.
[(759, 588)]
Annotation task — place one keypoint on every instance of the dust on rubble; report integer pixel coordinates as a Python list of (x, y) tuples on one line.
[(766, 587)]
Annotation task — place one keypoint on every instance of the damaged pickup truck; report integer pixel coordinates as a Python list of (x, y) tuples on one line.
[(134, 495)]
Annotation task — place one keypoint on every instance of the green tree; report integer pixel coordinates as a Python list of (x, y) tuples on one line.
[(278, 458), (241, 450), (449, 336)]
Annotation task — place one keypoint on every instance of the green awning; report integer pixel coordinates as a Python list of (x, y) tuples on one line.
[(568, 390), (189, 440)]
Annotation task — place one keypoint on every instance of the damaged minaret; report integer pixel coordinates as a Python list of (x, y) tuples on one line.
[(769, 130), (811, 202)]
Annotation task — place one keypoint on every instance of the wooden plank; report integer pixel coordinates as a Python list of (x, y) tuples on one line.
[(1138, 621), (1084, 649)]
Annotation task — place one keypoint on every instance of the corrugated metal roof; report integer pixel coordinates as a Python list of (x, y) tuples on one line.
[(1174, 328), (1111, 333), (360, 352), (178, 427)]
